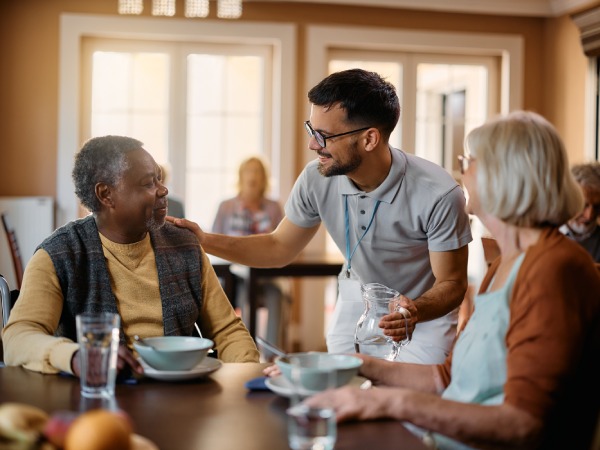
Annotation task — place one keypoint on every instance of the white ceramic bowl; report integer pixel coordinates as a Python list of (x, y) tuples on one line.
[(315, 368), (173, 353)]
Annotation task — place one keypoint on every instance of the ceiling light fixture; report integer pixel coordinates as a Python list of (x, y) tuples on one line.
[(229, 9), (163, 7), (131, 6), (196, 8), (226, 9)]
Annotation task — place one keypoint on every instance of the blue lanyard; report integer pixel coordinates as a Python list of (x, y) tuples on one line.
[(347, 223)]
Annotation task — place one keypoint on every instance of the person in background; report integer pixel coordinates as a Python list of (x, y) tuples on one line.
[(398, 219), (522, 374), (251, 212), (584, 227), (122, 258), (175, 207)]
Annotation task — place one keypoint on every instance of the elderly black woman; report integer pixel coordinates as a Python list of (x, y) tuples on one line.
[(523, 372), (123, 257)]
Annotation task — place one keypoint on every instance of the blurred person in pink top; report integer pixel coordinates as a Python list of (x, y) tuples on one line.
[(251, 212)]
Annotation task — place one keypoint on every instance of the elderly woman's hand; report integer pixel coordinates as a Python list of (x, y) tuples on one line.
[(353, 403), (394, 324)]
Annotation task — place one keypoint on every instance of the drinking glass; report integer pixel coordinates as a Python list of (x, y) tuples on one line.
[(310, 428), (98, 337), (369, 339)]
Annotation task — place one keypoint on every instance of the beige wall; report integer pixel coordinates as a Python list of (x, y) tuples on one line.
[(565, 72), (554, 75)]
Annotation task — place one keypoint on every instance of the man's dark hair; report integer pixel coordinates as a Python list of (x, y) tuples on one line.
[(101, 159), (366, 97)]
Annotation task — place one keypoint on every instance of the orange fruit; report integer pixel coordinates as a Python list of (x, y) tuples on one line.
[(99, 429)]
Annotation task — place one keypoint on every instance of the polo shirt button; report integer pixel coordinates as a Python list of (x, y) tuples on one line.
[(362, 211), (363, 196), (363, 227)]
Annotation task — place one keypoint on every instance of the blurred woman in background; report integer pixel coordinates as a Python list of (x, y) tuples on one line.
[(251, 212)]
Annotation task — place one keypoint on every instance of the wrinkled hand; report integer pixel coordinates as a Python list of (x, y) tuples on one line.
[(125, 361), (192, 226), (393, 324), (352, 403)]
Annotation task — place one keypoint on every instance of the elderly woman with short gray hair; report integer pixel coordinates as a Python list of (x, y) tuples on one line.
[(522, 374)]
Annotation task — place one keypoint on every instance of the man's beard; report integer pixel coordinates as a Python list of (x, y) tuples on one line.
[(582, 231), (342, 169), (153, 224)]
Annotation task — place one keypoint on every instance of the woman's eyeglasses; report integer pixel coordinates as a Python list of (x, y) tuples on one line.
[(464, 162), (321, 139)]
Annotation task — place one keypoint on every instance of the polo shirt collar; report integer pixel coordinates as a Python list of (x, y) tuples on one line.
[(387, 190)]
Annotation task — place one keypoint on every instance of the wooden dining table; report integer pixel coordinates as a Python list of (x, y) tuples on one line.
[(216, 412)]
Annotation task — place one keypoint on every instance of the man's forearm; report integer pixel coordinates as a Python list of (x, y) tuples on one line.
[(442, 298), (259, 250)]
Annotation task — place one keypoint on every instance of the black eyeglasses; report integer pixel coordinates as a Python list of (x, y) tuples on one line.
[(321, 139), (464, 162)]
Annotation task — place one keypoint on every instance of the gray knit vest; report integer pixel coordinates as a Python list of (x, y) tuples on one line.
[(78, 259)]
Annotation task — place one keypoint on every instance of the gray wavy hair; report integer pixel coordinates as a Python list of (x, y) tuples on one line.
[(587, 174), (101, 160), (523, 175)]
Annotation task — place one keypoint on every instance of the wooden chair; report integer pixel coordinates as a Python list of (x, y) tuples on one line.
[(14, 249), (490, 249), (7, 299)]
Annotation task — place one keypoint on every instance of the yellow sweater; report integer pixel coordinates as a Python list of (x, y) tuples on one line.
[(28, 337)]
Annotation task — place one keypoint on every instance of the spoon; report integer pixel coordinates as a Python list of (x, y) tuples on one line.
[(272, 347), (139, 340)]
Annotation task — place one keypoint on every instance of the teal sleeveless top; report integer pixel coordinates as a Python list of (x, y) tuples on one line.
[(479, 357)]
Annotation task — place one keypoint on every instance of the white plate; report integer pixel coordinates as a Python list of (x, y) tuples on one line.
[(207, 366), (281, 386)]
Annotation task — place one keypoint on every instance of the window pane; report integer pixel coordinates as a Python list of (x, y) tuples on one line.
[(121, 105), (225, 118), (451, 100), (199, 108)]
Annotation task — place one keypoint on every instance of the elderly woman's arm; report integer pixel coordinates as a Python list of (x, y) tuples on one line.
[(480, 426)]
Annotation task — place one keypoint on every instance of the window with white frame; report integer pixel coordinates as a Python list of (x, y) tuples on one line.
[(170, 141), (199, 109)]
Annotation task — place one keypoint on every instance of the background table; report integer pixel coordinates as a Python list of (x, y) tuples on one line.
[(213, 413), (313, 266)]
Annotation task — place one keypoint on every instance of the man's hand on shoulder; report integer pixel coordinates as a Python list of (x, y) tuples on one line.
[(192, 226)]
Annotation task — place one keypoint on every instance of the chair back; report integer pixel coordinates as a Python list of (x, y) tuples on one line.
[(490, 249), (6, 299), (14, 249)]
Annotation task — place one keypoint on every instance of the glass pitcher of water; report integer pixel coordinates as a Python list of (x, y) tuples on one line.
[(379, 300)]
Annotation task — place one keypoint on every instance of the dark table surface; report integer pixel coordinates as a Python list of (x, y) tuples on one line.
[(214, 413)]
